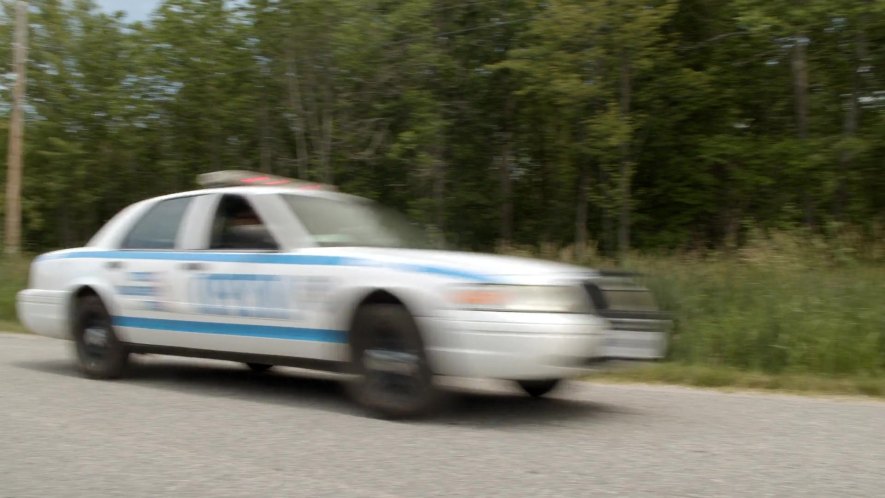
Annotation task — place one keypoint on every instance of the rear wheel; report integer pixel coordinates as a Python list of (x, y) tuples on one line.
[(538, 388), (100, 353), (392, 377)]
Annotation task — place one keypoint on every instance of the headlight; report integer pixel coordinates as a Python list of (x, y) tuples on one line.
[(526, 298)]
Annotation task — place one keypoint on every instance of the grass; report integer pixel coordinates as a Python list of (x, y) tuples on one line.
[(12, 326), (769, 325), (827, 321), (732, 378), (13, 278)]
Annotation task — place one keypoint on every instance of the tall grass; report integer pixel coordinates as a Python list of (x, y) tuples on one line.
[(819, 320), (13, 278)]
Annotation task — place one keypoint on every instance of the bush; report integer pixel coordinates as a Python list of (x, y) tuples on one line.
[(13, 278)]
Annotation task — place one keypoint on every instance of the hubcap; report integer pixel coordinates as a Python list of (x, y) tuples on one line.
[(95, 342), (390, 362), (392, 374), (96, 336)]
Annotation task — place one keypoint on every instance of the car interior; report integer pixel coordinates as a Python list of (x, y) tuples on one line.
[(237, 226)]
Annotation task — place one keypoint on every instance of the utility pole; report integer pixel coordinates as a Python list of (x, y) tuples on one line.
[(13, 232)]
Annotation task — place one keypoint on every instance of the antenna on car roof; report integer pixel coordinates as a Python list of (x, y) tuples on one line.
[(232, 178)]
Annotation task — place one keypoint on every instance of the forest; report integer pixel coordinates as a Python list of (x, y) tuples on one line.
[(654, 125)]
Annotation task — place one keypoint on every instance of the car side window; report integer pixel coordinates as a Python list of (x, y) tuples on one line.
[(158, 228), (237, 226)]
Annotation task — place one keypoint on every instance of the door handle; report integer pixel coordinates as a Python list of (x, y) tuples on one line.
[(193, 266), (114, 265)]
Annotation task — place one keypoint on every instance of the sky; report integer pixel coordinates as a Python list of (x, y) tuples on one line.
[(136, 10)]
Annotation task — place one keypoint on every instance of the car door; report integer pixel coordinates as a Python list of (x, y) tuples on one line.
[(243, 294), (141, 271)]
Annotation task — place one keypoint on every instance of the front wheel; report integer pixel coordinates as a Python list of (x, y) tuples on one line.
[(100, 353), (392, 377), (538, 388)]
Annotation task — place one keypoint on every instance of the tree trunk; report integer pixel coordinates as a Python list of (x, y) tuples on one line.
[(581, 215), (506, 172), (506, 191), (297, 105), (624, 214), (799, 66), (326, 146), (626, 169), (14, 166), (315, 107), (264, 152), (852, 118), (439, 192)]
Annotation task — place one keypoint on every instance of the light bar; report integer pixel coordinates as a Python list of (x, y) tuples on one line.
[(232, 178)]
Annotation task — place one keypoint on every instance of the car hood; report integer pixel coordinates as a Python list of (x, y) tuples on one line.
[(473, 266)]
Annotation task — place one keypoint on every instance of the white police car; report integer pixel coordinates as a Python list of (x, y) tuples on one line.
[(274, 271)]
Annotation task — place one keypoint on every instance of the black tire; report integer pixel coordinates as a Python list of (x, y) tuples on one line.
[(392, 378), (538, 388), (100, 354), (259, 367)]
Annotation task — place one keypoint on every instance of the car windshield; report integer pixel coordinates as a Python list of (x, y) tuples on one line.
[(334, 222)]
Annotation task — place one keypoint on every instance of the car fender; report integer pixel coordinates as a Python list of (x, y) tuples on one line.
[(418, 301), (101, 288), (422, 297)]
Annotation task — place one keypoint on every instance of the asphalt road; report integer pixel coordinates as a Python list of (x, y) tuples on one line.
[(178, 427)]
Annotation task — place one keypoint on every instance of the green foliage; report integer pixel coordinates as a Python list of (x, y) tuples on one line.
[(468, 115), (13, 278)]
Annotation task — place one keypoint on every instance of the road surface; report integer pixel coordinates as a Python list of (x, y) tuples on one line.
[(194, 428)]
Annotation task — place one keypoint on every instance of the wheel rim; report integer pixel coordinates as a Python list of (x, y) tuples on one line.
[(393, 371), (96, 340)]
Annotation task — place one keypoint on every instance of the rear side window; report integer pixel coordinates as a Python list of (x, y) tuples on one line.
[(158, 228)]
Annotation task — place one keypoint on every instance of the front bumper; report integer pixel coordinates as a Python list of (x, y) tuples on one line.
[(515, 346)]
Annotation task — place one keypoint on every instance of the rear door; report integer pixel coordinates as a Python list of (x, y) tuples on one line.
[(141, 270)]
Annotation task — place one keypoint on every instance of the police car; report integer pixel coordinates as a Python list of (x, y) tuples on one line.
[(267, 270)]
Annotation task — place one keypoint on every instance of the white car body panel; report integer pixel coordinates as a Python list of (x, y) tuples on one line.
[(299, 302)]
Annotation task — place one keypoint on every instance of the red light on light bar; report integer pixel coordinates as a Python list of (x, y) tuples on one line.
[(255, 179), (230, 178)]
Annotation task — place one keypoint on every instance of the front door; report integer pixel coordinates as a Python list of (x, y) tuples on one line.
[(244, 295)]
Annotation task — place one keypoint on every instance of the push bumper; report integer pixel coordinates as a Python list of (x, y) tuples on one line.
[(637, 336)]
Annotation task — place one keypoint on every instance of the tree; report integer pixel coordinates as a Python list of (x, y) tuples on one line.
[(583, 57)]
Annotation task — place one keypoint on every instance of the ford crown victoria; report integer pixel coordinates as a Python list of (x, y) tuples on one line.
[(269, 271)]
